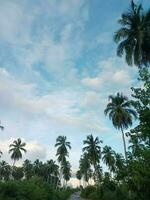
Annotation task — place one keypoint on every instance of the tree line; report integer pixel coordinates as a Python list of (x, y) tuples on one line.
[(128, 176), (49, 171)]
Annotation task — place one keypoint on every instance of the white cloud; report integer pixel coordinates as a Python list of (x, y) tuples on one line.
[(92, 82), (112, 74), (34, 149), (122, 77), (60, 107)]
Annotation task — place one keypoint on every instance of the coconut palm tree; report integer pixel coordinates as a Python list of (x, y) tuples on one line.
[(121, 113), (28, 169), (120, 167), (37, 166), (79, 176), (93, 149), (62, 151), (53, 167), (85, 168), (5, 171), (66, 170), (108, 158), (119, 161), (133, 38), (135, 145), (63, 146), (16, 149), (52, 171), (17, 173)]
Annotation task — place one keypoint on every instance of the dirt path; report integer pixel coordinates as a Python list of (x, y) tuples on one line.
[(75, 196)]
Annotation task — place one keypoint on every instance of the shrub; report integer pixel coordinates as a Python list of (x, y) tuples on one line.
[(87, 191), (34, 189)]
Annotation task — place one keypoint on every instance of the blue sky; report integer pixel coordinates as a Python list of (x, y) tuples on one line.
[(57, 67)]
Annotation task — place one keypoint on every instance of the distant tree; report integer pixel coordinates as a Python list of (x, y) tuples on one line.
[(134, 36), (28, 169), (120, 167), (2, 128), (62, 151), (85, 168), (17, 173), (121, 112), (93, 149), (37, 167), (66, 170), (79, 176), (5, 171), (51, 171), (16, 149), (108, 158)]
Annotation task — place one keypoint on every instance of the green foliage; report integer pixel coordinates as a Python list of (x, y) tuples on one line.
[(106, 192), (87, 191), (17, 173), (62, 153), (133, 37), (16, 149), (131, 178), (33, 189)]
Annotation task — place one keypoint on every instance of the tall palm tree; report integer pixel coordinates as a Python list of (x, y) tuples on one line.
[(85, 168), (16, 149), (121, 113), (108, 158), (93, 149), (62, 151), (66, 169), (134, 36)]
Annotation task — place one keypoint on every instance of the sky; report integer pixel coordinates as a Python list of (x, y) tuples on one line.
[(58, 65)]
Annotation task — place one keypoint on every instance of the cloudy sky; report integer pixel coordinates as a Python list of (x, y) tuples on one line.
[(57, 67)]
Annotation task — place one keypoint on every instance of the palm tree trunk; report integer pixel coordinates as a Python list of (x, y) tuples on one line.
[(124, 144), (14, 163), (13, 168)]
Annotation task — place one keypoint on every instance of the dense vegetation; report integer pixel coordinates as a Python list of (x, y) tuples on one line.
[(37, 180), (33, 189), (129, 175)]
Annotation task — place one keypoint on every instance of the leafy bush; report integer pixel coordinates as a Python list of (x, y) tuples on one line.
[(34, 189), (104, 193), (87, 191)]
